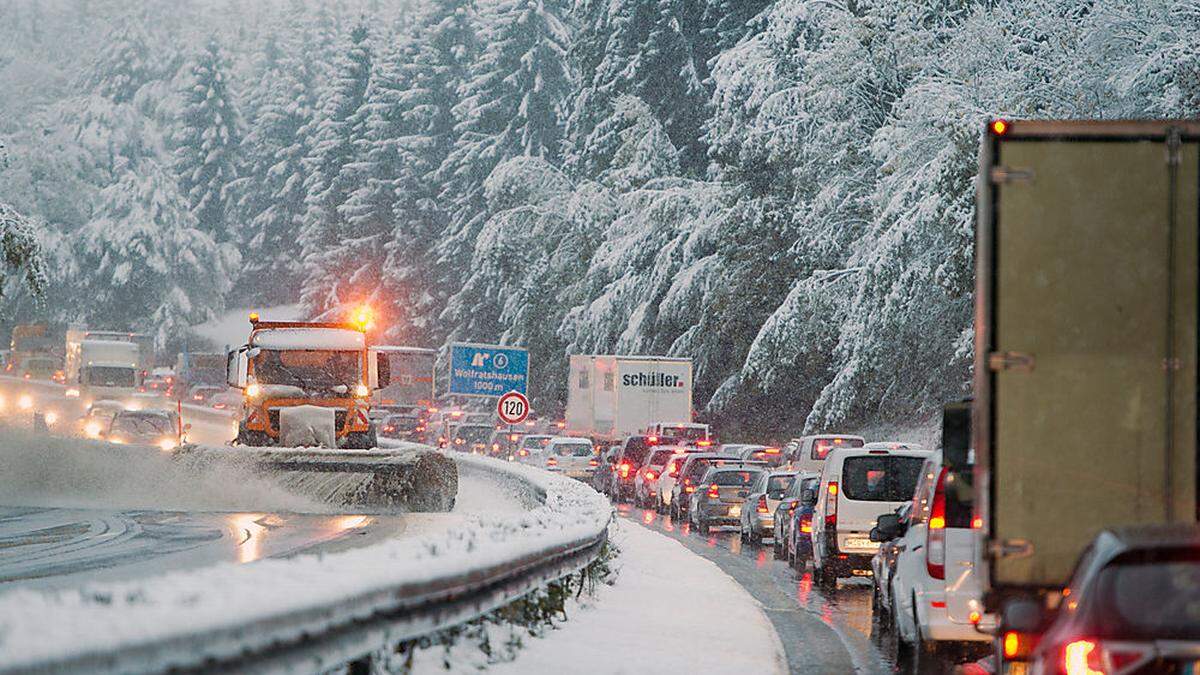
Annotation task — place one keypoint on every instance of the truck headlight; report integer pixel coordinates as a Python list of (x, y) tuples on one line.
[(25, 402)]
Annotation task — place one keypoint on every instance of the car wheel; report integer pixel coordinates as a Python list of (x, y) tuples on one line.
[(925, 654), (702, 527), (673, 511), (900, 652)]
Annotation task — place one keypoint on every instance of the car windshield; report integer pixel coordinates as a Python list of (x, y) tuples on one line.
[(1155, 597), (111, 376), (143, 425), (307, 368), (573, 449), (880, 478), (535, 442), (728, 478)]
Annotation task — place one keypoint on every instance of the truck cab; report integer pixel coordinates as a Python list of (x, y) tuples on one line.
[(102, 369), (326, 369)]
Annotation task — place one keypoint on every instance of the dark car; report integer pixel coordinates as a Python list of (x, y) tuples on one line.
[(883, 566), (403, 427), (606, 474), (721, 495), (1133, 602), (634, 451), (689, 477), (798, 542)]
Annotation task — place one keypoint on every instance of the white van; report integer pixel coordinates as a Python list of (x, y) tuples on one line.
[(808, 453), (571, 456), (857, 486)]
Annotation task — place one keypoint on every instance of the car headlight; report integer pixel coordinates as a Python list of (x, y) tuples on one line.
[(72, 393), (91, 429), (167, 444), (25, 402), (51, 417)]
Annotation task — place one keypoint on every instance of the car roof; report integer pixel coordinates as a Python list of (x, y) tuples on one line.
[(841, 453), (571, 439), (1179, 535), (894, 445), (785, 473)]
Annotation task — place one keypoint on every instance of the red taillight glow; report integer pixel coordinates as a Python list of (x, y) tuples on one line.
[(977, 522), (713, 491), (762, 504), (591, 462), (652, 440), (650, 475), (1012, 644), (689, 489), (806, 524), (1082, 657), (772, 451), (831, 505), (703, 444), (624, 469), (673, 471), (974, 618), (999, 127), (551, 461), (523, 452), (935, 533)]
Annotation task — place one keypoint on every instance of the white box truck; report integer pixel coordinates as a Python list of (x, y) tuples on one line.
[(610, 397), (101, 369)]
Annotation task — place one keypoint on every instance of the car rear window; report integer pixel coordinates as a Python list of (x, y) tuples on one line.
[(701, 464), (635, 450), (735, 477), (1151, 598), (880, 478), (777, 484), (823, 446), (573, 449), (772, 456), (535, 441), (660, 457)]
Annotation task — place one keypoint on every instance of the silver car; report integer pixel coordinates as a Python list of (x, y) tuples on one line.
[(571, 456), (758, 516)]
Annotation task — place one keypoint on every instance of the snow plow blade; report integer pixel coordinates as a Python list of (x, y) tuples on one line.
[(405, 479)]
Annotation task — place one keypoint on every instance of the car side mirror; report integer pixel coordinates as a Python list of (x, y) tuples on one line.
[(875, 535), (1023, 615), (887, 527)]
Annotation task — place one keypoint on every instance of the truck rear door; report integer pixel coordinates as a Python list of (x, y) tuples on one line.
[(1086, 337)]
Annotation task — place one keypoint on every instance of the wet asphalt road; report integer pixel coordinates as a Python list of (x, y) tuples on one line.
[(820, 634)]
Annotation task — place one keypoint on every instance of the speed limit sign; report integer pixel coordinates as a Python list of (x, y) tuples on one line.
[(513, 407)]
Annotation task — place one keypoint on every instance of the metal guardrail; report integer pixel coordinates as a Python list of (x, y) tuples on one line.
[(346, 633)]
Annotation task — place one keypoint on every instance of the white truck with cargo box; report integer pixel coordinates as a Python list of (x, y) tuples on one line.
[(1084, 411), (98, 369), (610, 397)]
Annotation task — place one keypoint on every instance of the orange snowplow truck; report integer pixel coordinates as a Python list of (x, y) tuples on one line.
[(303, 377)]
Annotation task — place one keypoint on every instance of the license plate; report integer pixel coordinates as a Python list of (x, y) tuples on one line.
[(859, 543), (735, 510)]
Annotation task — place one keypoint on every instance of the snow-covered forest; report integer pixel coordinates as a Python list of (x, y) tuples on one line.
[(781, 190)]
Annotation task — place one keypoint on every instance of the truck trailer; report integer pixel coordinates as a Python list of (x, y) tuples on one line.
[(1085, 378), (100, 369), (610, 397)]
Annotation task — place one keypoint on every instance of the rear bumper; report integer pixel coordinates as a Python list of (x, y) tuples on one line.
[(723, 512)]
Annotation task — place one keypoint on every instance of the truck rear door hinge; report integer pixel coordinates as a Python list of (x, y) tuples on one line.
[(1006, 174), (1016, 361)]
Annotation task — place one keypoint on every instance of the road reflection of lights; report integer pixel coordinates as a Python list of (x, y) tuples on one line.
[(804, 588), (711, 541), (647, 517), (344, 523), (760, 560), (248, 535)]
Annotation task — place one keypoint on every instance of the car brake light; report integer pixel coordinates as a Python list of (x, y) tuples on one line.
[(935, 532), (806, 524), (689, 489), (703, 444), (713, 491), (650, 475), (762, 504), (591, 462), (674, 470), (551, 461), (831, 505), (1014, 646), (523, 452), (1082, 657), (624, 470)]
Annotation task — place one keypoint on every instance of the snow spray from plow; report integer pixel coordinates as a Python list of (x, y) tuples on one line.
[(52, 470)]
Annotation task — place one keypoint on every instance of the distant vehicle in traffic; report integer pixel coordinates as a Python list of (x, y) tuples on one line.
[(96, 421), (645, 483), (201, 393), (858, 486), (670, 474), (679, 432), (530, 449), (721, 495), (145, 427), (571, 456), (798, 522), (407, 427), (505, 444), (612, 397), (758, 518), (471, 438), (690, 473), (772, 457), (634, 451), (808, 453)]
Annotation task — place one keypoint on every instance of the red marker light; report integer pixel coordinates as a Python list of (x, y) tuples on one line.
[(999, 127), (713, 491)]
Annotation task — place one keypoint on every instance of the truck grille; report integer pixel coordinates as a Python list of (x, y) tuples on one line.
[(339, 419)]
